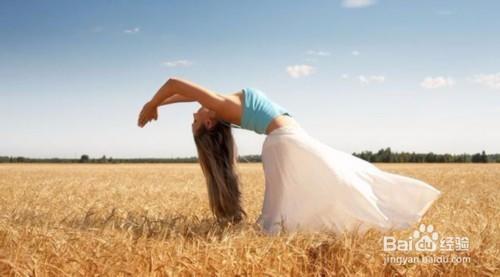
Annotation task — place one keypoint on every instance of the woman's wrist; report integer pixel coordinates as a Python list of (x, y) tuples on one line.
[(154, 103), (163, 94)]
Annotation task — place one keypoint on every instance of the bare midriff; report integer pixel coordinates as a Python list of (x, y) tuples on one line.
[(281, 121)]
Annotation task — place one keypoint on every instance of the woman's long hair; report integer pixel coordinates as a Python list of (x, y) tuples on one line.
[(217, 156)]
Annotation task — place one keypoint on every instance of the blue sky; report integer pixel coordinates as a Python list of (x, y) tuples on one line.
[(358, 75)]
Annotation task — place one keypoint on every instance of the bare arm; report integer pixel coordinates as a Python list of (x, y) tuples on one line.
[(177, 90), (188, 90), (176, 98)]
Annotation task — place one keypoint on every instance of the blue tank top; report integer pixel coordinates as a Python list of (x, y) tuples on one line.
[(258, 111)]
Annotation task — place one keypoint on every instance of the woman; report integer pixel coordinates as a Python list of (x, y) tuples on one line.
[(308, 185)]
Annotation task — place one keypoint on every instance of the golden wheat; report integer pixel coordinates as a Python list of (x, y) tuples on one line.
[(154, 220)]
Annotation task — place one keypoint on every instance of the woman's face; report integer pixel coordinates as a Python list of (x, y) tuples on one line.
[(203, 116)]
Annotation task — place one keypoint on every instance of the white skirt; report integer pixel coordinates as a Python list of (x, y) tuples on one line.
[(311, 186)]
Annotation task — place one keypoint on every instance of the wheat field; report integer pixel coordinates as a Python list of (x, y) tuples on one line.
[(154, 220)]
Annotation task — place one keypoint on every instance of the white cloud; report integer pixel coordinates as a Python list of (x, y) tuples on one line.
[(302, 70), (132, 31), (178, 63), (344, 76), (371, 79), (437, 82), (357, 3), (355, 53), (318, 53), (488, 80)]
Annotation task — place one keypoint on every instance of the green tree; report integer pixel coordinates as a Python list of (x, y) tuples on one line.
[(484, 157), (476, 158), (84, 158)]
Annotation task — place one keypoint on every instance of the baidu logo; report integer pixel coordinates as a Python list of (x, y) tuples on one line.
[(426, 239)]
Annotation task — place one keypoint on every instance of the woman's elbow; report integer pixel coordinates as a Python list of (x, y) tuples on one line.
[(175, 80), (173, 83)]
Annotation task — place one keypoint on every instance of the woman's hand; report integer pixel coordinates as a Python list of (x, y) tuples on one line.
[(148, 113)]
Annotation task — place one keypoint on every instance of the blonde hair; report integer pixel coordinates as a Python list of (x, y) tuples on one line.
[(217, 157)]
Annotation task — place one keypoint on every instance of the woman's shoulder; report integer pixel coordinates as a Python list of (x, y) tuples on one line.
[(232, 110), (236, 96)]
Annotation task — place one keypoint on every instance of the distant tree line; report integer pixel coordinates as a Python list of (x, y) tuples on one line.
[(387, 156), (382, 156), (86, 159)]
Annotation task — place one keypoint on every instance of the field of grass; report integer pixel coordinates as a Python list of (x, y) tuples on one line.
[(154, 220)]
